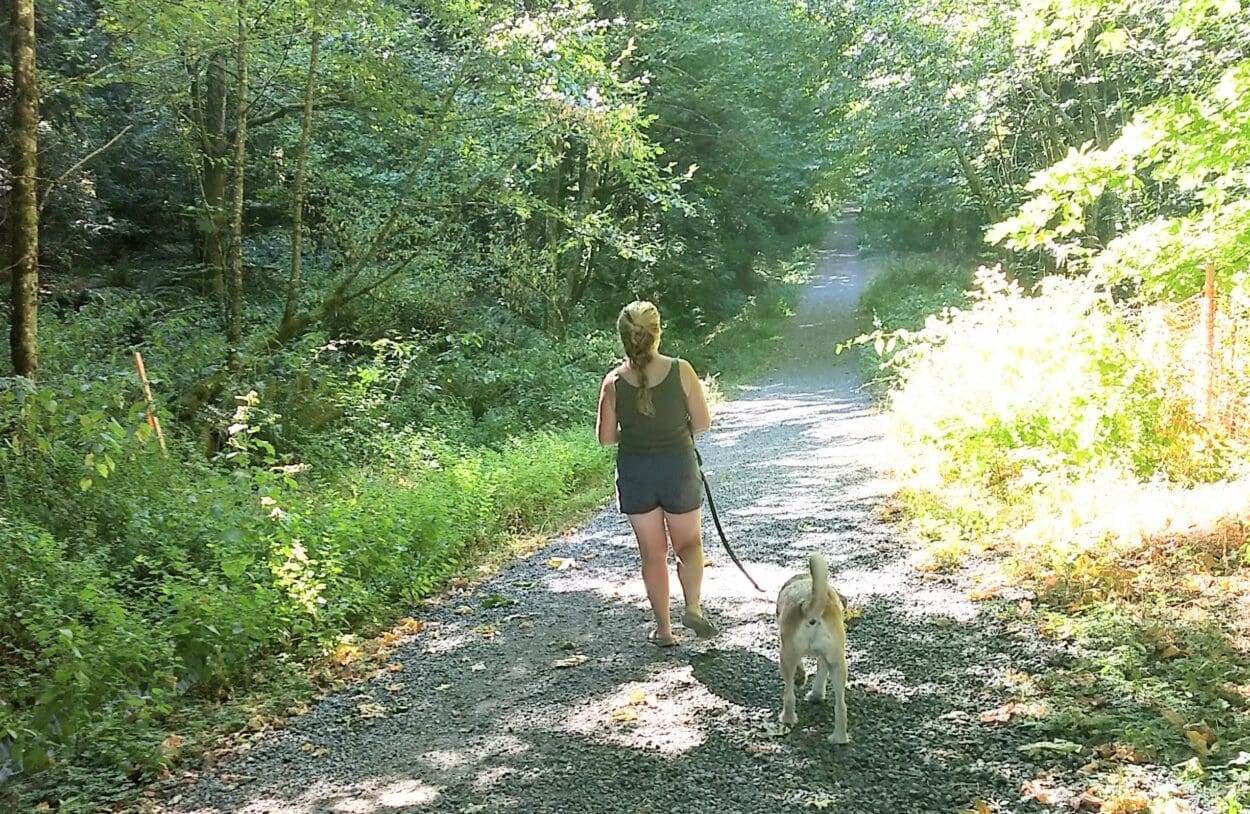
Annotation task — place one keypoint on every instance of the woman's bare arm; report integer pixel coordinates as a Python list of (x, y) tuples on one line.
[(696, 401), (606, 426)]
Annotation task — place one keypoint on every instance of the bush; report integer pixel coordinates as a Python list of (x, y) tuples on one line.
[(136, 578), (1019, 388)]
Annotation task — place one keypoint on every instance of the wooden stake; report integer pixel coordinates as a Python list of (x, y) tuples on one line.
[(1209, 291), (153, 421)]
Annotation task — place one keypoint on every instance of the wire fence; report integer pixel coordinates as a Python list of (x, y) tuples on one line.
[(1200, 349)]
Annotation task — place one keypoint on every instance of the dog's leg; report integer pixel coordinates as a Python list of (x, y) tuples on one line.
[(789, 662), (817, 692), (839, 701)]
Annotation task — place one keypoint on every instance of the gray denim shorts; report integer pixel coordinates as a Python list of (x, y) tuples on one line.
[(667, 479)]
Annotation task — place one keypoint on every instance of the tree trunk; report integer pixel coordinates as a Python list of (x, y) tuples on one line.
[(24, 209), (974, 182), (555, 199), (216, 176), (578, 275), (234, 324), (301, 160)]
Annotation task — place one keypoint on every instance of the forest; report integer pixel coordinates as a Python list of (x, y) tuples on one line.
[(310, 302)]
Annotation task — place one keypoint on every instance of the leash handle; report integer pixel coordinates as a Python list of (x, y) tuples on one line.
[(711, 504)]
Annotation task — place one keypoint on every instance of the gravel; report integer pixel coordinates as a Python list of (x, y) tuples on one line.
[(491, 724)]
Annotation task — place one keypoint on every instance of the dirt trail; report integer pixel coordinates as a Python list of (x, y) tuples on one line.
[(490, 725)]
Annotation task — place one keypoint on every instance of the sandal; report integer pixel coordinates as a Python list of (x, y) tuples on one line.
[(699, 624), (662, 641)]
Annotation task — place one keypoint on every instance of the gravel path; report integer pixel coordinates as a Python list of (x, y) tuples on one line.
[(491, 725)]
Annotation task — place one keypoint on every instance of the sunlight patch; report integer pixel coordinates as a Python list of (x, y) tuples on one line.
[(659, 714), (406, 793)]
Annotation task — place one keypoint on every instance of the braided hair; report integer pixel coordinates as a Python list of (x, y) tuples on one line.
[(639, 326)]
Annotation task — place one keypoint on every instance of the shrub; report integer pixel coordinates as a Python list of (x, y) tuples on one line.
[(1018, 388)]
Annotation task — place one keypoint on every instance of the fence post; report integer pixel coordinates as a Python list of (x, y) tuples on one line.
[(1209, 293), (153, 421)]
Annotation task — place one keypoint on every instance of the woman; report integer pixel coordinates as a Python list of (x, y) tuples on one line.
[(651, 406)]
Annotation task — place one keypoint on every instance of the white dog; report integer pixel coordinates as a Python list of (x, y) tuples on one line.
[(811, 623)]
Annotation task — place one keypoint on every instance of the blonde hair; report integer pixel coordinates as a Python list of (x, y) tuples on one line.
[(639, 326)]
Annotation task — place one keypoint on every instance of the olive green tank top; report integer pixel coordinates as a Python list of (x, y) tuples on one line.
[(668, 429)]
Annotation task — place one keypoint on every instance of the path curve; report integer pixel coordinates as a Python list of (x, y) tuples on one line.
[(490, 725)]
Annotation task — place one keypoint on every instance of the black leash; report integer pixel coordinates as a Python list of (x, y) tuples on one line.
[(720, 530)]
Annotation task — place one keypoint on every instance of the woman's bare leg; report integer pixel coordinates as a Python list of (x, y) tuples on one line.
[(686, 532), (653, 548)]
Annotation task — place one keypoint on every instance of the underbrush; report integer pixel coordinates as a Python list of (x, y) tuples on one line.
[(1045, 452), (152, 598)]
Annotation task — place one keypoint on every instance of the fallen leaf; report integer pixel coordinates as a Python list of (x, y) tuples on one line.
[(394, 667), (979, 807), (576, 660), (820, 803), (371, 710), (1087, 801), (345, 654), (486, 631), (1041, 790), (173, 743), (624, 714), (1123, 752), (1133, 802), (411, 626), (497, 601), (984, 593), (1013, 709), (474, 808), (1172, 805), (762, 749), (479, 667), (526, 624), (308, 747), (1171, 651), (458, 583), (639, 698), (1199, 741), (464, 610), (442, 687), (322, 752), (562, 563), (396, 687)]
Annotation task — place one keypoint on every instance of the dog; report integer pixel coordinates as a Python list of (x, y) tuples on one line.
[(811, 622)]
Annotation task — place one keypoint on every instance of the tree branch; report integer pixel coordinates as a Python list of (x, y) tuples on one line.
[(63, 177)]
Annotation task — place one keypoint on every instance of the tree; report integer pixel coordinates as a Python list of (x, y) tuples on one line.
[(23, 339)]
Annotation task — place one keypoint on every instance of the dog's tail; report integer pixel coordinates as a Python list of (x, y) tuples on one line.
[(820, 585)]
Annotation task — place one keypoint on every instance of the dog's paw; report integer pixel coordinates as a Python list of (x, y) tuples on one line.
[(839, 738), (789, 720), (815, 696)]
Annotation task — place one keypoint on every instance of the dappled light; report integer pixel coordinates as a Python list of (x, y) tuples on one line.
[(330, 324), (541, 677)]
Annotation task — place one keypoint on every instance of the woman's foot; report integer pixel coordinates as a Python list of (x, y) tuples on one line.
[(663, 639), (697, 622)]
